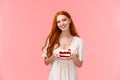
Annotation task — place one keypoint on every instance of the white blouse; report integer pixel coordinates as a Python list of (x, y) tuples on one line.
[(65, 69)]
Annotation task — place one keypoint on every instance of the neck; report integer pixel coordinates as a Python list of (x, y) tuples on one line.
[(65, 34)]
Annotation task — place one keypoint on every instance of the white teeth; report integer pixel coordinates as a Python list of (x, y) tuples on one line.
[(63, 26)]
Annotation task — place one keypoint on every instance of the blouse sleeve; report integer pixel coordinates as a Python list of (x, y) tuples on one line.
[(44, 52), (80, 50)]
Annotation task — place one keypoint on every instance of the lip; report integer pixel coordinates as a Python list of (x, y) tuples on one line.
[(63, 26)]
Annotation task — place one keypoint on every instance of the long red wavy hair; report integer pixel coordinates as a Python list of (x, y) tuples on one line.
[(53, 37)]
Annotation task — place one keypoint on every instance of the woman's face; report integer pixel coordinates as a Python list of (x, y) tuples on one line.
[(63, 22)]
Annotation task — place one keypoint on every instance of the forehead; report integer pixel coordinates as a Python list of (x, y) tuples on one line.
[(59, 17)]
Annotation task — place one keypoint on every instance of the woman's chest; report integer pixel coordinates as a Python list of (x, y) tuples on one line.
[(65, 44)]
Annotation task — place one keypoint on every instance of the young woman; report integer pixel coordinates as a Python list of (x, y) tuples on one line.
[(63, 48)]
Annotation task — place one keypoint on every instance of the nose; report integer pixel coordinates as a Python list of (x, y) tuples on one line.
[(61, 23)]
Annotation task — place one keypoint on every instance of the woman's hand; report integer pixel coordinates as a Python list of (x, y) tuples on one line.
[(55, 56), (49, 60), (72, 56)]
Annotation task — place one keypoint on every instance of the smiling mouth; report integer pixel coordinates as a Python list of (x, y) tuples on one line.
[(63, 26)]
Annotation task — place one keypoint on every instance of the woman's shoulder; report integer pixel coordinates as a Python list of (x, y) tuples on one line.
[(78, 38)]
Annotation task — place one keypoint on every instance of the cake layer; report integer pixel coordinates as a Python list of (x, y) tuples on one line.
[(65, 53)]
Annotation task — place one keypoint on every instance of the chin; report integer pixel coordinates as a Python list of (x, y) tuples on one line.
[(65, 30)]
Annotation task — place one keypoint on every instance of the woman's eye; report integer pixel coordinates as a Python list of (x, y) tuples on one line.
[(58, 21), (64, 19)]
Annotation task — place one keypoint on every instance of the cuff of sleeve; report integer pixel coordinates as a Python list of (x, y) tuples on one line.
[(44, 55)]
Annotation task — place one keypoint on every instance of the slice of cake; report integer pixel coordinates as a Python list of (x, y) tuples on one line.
[(65, 53)]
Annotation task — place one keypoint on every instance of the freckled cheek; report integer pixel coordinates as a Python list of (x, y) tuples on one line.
[(58, 25), (67, 23)]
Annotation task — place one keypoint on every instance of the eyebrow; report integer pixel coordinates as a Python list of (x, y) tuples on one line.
[(62, 19)]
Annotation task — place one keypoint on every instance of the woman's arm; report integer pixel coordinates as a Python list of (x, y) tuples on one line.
[(78, 58), (76, 61)]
